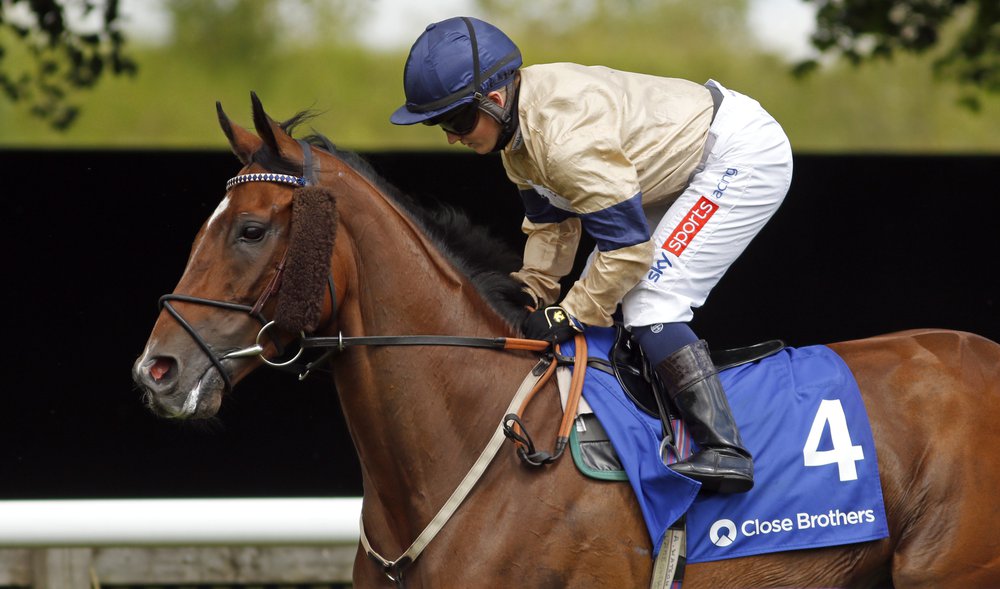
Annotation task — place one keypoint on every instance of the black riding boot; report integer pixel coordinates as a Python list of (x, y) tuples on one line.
[(722, 464)]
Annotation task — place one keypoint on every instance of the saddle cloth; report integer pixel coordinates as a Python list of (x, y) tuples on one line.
[(801, 416)]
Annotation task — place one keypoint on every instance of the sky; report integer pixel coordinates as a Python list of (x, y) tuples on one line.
[(781, 26)]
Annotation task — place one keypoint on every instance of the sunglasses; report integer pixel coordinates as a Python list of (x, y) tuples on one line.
[(458, 121)]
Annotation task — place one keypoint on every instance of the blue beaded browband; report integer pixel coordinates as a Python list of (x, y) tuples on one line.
[(279, 178), (308, 177)]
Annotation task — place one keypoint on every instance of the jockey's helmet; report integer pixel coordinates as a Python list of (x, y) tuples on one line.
[(455, 62)]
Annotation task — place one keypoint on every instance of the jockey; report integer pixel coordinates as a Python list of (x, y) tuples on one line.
[(672, 179)]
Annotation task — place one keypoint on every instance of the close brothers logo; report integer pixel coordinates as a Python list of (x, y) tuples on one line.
[(724, 532)]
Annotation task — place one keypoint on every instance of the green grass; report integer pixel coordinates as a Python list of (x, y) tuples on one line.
[(886, 107)]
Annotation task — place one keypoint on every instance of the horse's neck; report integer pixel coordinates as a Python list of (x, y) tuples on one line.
[(419, 416), (403, 282)]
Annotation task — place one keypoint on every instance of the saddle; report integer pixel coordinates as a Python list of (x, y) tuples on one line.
[(638, 379)]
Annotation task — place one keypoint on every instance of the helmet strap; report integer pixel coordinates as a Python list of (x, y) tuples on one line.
[(506, 115)]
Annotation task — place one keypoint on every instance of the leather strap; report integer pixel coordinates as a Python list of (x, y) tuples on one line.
[(513, 425), (308, 171), (341, 342), (272, 286), (670, 562), (393, 569)]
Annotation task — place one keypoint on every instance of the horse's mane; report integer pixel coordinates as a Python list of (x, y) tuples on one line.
[(480, 255)]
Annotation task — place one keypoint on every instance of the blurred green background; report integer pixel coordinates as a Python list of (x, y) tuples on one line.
[(344, 59)]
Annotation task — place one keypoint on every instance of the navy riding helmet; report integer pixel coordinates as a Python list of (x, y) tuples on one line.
[(455, 62)]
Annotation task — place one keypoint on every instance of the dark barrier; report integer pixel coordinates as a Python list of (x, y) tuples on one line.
[(863, 245)]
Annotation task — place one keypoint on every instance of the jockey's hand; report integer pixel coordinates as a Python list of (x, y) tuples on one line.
[(551, 324), (526, 299)]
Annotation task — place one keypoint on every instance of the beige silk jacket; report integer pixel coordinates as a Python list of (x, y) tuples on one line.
[(595, 146)]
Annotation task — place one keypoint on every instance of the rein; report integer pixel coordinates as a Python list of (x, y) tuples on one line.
[(530, 386)]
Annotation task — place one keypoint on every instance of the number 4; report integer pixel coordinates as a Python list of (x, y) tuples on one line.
[(844, 454)]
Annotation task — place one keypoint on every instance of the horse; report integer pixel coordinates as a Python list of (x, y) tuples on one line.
[(377, 266)]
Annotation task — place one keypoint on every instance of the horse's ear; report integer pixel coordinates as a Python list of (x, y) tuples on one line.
[(271, 132), (307, 265), (242, 142)]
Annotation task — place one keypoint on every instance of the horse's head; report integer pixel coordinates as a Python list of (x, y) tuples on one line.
[(258, 272)]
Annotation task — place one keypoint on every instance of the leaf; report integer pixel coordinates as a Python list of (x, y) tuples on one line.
[(62, 61), (970, 102), (803, 68)]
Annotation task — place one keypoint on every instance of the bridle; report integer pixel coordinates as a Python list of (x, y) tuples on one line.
[(308, 178), (533, 382), (165, 303), (332, 345)]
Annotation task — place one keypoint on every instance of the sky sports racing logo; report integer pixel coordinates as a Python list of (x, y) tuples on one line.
[(690, 226), (725, 532)]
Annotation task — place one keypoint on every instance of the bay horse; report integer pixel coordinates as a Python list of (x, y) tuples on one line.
[(376, 265)]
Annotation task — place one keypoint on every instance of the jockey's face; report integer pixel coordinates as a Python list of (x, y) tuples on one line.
[(484, 135)]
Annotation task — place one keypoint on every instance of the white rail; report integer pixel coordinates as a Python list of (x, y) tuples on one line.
[(179, 522)]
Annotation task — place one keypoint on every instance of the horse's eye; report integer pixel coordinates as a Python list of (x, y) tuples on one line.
[(252, 233)]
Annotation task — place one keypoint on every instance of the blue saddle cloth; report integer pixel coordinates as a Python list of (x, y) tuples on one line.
[(801, 416)]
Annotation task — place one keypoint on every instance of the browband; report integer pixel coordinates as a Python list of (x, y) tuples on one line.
[(307, 179), (279, 178)]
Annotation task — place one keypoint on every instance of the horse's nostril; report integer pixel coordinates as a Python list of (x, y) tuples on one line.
[(160, 367)]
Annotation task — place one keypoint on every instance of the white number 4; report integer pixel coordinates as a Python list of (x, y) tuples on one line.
[(844, 454)]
